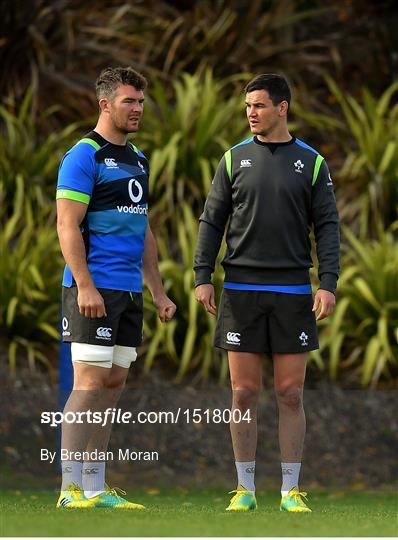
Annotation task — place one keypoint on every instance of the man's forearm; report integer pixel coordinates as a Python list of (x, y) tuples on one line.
[(150, 265), (207, 248), (74, 252), (327, 248)]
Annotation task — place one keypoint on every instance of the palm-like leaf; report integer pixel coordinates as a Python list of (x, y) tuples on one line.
[(29, 154), (186, 138), (362, 331), (187, 342), (30, 272), (58, 47)]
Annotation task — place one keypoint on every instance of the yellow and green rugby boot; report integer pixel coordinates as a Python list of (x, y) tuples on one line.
[(243, 500), (293, 501), (73, 497), (111, 499)]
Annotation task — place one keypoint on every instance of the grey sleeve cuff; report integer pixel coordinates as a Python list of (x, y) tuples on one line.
[(328, 282), (202, 275)]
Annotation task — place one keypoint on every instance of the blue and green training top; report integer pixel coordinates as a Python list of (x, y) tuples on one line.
[(113, 181)]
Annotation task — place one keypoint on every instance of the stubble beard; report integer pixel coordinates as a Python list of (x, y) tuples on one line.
[(126, 130), (266, 131), (122, 126)]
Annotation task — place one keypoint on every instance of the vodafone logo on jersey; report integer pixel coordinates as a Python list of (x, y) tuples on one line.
[(135, 190), (135, 193)]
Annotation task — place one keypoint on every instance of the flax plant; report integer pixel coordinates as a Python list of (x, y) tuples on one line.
[(367, 133), (29, 154), (186, 342), (30, 273), (372, 162), (187, 136), (362, 334)]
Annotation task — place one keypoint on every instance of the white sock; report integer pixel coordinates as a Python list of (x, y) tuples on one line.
[(290, 476), (71, 472), (245, 471), (93, 478)]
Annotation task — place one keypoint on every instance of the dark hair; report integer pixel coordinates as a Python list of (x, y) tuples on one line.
[(111, 78), (276, 86)]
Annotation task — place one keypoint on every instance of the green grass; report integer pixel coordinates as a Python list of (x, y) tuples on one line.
[(201, 513)]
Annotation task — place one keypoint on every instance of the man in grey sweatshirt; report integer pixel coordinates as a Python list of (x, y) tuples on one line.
[(270, 189)]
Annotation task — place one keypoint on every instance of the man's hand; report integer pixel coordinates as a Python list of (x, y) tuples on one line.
[(90, 302), (204, 294), (326, 301), (166, 308)]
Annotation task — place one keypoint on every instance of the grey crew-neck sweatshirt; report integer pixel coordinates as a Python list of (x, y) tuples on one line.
[(270, 194)]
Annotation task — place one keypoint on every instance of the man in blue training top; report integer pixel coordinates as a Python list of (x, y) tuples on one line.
[(107, 243), (271, 189)]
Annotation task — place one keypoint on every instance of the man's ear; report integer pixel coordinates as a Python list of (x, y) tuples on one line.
[(283, 108), (104, 105)]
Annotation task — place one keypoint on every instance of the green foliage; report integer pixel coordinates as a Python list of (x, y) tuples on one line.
[(69, 43), (373, 163), (362, 333), (24, 151), (367, 134), (186, 341), (30, 271), (187, 138), (30, 260)]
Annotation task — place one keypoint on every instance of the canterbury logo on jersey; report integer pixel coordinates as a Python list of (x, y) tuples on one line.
[(104, 333), (245, 163), (233, 338), (111, 163)]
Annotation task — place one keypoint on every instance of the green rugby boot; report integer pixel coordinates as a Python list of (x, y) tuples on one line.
[(243, 500), (111, 499), (73, 497), (293, 501)]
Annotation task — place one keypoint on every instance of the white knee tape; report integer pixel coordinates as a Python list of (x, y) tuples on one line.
[(123, 356), (92, 355)]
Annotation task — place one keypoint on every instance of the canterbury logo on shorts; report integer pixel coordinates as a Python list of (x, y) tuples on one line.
[(233, 338), (104, 333)]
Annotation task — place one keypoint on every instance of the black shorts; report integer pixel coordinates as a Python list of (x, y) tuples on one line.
[(122, 325), (266, 322)]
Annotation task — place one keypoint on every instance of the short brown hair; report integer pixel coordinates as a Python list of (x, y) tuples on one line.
[(111, 78), (276, 85)]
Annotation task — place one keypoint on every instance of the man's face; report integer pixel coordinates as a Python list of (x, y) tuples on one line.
[(125, 108), (262, 114)]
